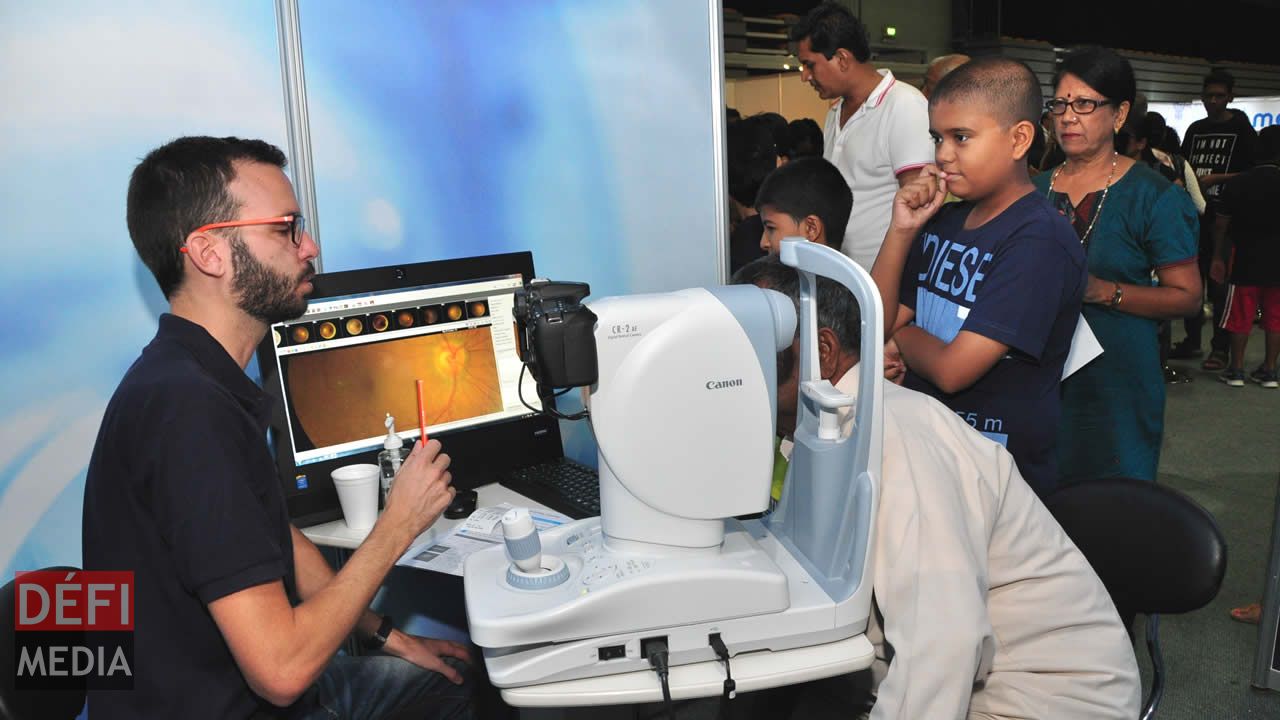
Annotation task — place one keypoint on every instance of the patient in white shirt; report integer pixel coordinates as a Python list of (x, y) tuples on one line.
[(983, 607)]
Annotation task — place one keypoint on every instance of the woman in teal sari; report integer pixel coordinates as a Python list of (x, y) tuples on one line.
[(1133, 224)]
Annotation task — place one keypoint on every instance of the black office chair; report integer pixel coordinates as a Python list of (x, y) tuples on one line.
[(1156, 550), (30, 704)]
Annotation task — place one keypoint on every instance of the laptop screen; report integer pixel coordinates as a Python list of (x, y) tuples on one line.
[(366, 338), (352, 360)]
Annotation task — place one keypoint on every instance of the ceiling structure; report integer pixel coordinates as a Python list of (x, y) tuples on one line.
[(1238, 30)]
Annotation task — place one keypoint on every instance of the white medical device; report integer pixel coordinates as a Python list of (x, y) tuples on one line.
[(683, 412)]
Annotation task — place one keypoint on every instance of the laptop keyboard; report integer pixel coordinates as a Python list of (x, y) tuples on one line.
[(564, 485)]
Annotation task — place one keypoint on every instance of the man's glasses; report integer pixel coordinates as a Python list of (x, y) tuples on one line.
[(1079, 106), (296, 223)]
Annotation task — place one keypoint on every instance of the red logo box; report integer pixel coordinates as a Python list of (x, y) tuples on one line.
[(80, 600)]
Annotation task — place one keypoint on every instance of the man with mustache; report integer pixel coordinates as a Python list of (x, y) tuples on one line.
[(238, 614), (876, 133)]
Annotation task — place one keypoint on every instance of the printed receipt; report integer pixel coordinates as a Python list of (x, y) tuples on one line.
[(482, 530)]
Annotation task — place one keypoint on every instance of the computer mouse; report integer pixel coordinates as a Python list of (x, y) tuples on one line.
[(464, 503)]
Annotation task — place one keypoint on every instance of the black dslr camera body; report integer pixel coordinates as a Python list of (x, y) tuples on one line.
[(557, 335)]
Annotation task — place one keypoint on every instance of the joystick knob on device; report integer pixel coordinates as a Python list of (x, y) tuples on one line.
[(523, 546), (529, 569)]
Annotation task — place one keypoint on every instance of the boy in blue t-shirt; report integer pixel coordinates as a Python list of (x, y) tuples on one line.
[(982, 297)]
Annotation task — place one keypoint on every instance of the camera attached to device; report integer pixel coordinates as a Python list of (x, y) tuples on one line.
[(557, 335)]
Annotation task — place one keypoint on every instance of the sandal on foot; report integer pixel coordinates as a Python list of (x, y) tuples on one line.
[(1216, 361), (1249, 614)]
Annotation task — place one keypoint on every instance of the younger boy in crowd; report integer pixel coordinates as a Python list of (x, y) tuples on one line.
[(1245, 227), (982, 297), (806, 198)]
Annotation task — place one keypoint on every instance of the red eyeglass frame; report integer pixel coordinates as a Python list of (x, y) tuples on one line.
[(293, 220)]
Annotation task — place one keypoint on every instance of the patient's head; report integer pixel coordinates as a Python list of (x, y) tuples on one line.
[(839, 324)]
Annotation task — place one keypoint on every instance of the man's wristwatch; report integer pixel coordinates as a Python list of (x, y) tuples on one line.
[(379, 636)]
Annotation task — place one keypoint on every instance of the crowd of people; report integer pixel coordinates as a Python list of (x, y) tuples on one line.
[(1159, 224), (998, 225)]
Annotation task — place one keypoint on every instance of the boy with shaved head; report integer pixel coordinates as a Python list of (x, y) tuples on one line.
[(982, 296)]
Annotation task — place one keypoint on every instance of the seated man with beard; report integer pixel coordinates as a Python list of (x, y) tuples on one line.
[(238, 614)]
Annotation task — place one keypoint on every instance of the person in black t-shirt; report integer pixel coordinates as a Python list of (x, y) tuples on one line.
[(753, 154), (804, 139), (237, 613), (1247, 232), (1219, 147)]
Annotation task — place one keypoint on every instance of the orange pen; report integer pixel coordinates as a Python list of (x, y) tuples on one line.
[(422, 413)]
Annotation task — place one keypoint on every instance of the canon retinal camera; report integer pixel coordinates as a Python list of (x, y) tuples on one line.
[(681, 392)]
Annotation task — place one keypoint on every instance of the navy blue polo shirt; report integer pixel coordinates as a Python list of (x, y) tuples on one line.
[(182, 489)]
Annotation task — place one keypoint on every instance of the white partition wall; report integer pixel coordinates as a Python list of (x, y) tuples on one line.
[(1261, 111), (587, 131)]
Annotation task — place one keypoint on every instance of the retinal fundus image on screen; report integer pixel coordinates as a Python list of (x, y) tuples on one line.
[(343, 395)]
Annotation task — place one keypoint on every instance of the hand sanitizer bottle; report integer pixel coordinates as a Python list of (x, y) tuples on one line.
[(393, 453)]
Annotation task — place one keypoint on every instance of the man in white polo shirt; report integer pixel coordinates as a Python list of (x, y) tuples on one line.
[(877, 132)]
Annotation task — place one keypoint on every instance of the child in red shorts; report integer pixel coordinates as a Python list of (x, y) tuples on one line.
[(1245, 229)]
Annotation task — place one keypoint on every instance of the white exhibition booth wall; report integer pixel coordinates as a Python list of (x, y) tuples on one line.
[(1262, 111), (587, 132)]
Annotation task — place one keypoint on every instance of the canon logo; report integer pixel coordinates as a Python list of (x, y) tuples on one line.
[(719, 384)]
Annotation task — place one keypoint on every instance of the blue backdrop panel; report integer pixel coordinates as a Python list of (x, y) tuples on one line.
[(92, 87), (578, 129)]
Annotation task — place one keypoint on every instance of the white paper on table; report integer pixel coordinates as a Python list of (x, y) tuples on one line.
[(483, 529), (1084, 348)]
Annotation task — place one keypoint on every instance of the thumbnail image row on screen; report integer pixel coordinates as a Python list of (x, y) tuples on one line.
[(301, 333)]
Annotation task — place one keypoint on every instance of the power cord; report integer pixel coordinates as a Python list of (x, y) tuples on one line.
[(656, 654), (549, 411), (730, 687)]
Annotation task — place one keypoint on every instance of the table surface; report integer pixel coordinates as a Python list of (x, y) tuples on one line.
[(751, 671), (337, 534)]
